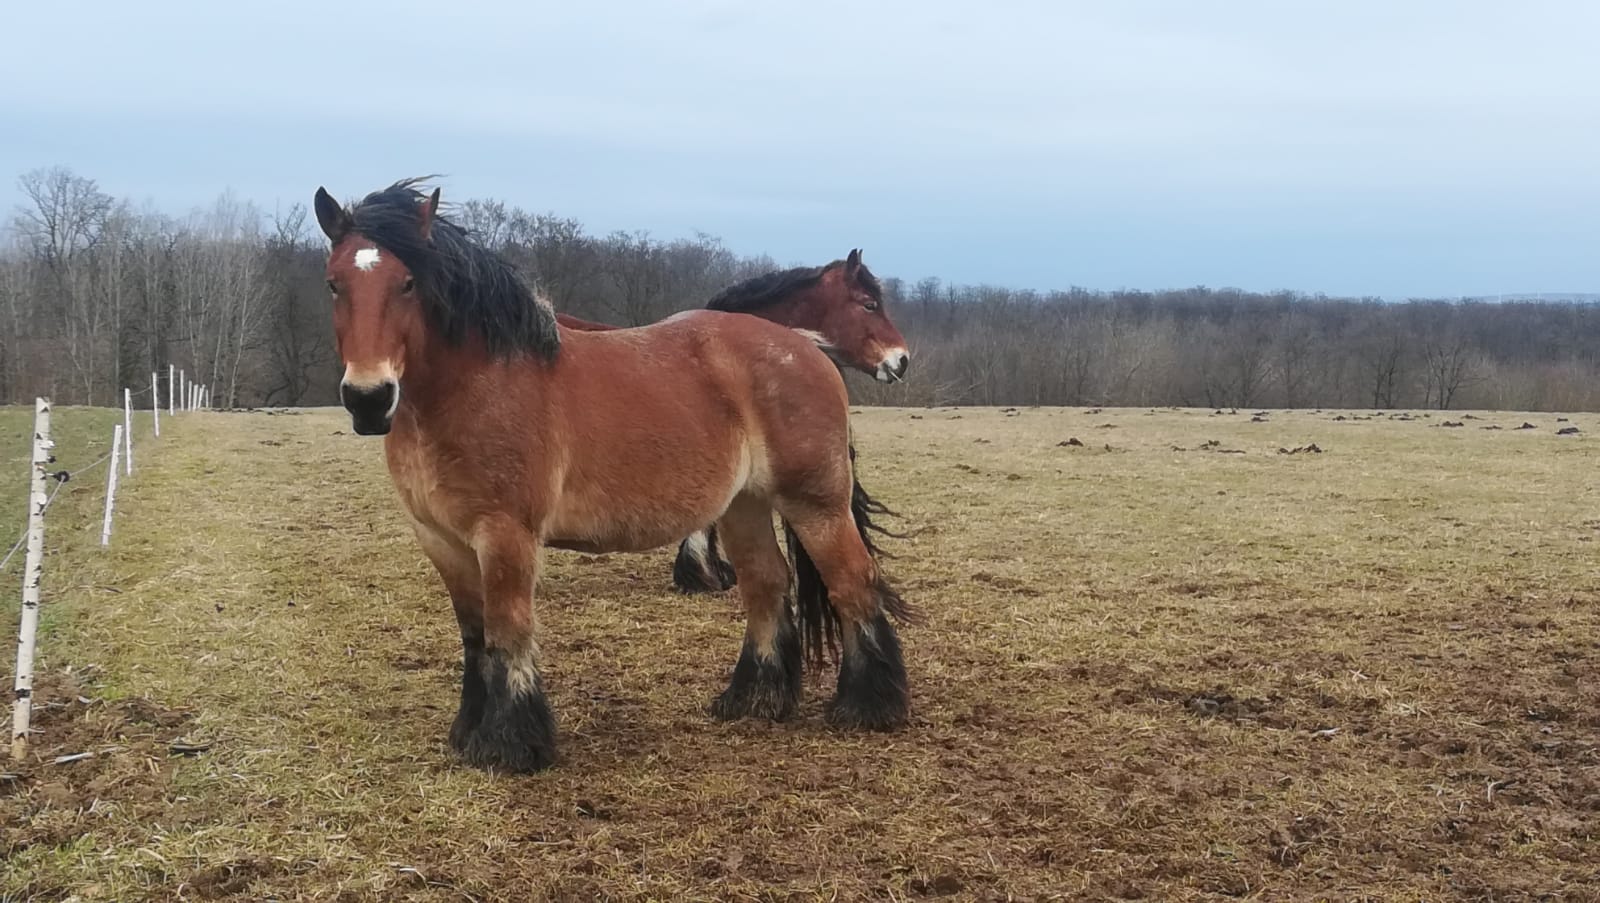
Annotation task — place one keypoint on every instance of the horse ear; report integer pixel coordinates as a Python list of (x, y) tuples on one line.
[(333, 219), (852, 264), (425, 214)]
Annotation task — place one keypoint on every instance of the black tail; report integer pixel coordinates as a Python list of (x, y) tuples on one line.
[(863, 507), (819, 621)]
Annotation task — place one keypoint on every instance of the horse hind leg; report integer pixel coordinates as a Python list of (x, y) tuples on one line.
[(840, 591), (766, 680), (700, 567)]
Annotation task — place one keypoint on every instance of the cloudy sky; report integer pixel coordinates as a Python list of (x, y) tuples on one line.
[(1385, 148)]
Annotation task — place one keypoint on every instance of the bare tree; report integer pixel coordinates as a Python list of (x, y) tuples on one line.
[(298, 343), (1382, 356), (62, 223), (1449, 363), (565, 262), (94, 294)]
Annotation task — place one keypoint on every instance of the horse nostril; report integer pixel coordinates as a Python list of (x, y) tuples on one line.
[(902, 365), (369, 401)]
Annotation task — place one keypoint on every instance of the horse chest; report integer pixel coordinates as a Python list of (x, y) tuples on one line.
[(416, 480)]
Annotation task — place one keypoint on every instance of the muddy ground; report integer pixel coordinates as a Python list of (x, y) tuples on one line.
[(1167, 655)]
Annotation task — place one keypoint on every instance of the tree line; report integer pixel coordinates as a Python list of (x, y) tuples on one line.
[(98, 293)]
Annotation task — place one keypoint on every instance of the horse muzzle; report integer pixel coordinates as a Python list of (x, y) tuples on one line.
[(371, 407), (893, 367)]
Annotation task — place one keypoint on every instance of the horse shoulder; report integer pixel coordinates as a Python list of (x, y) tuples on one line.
[(441, 482)]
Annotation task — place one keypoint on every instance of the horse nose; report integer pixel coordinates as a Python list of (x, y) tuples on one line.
[(894, 366), (371, 407), (902, 363)]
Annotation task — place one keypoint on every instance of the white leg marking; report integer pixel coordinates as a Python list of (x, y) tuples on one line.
[(699, 549), (522, 675)]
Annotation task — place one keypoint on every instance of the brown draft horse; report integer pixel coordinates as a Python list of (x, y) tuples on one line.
[(506, 433), (840, 306)]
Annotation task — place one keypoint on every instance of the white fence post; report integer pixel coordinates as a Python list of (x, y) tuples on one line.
[(183, 390), (111, 485), (127, 428), (32, 570), (155, 402), (172, 389)]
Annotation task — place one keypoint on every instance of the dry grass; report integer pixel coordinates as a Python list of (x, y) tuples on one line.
[(1151, 669)]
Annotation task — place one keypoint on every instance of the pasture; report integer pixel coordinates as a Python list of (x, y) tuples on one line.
[(1171, 662)]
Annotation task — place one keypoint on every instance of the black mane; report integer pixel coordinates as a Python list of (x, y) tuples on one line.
[(773, 288), (464, 287)]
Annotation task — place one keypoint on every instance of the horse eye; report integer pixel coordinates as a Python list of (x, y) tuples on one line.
[(408, 285), (871, 305), (332, 288)]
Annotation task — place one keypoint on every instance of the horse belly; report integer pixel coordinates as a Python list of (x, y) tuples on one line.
[(633, 516)]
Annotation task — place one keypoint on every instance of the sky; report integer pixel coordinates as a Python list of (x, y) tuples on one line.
[(1390, 149)]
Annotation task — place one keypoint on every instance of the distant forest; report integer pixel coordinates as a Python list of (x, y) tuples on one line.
[(95, 294)]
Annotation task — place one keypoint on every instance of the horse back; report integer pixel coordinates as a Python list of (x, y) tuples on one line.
[(727, 376)]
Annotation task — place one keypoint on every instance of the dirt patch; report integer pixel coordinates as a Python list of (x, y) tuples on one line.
[(87, 751), (1144, 677)]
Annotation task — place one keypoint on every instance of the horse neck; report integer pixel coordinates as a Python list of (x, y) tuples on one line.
[(800, 310), (438, 376)]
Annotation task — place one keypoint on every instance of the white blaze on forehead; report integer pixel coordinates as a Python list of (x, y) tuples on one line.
[(367, 258)]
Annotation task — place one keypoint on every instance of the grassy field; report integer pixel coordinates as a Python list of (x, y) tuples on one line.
[(1171, 662)]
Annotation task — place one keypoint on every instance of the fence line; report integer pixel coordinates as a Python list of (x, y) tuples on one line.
[(127, 427), (111, 486), (32, 572), (182, 395)]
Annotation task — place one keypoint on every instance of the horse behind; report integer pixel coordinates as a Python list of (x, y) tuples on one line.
[(839, 306), (506, 433)]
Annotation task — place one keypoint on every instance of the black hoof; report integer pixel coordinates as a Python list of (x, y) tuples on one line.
[(763, 687), (725, 577), (517, 731), (466, 722), (700, 568), (872, 692)]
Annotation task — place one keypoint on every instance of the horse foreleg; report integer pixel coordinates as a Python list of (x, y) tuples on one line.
[(517, 730), (458, 567), (766, 681)]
